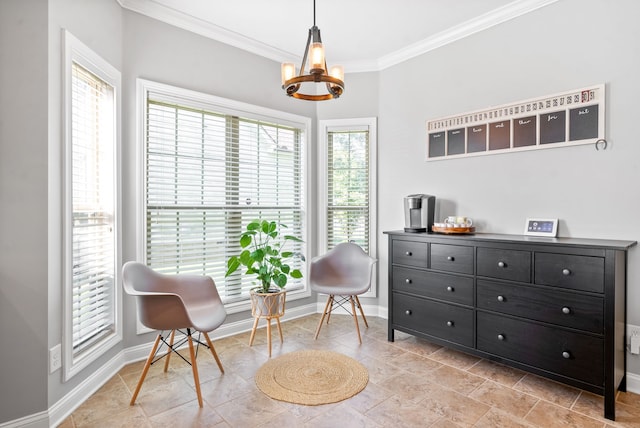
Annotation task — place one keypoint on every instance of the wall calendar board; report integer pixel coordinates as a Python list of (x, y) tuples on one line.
[(565, 119)]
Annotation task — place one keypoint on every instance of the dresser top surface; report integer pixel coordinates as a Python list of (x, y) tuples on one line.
[(496, 237)]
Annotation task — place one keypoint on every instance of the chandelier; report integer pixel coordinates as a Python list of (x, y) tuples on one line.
[(333, 80)]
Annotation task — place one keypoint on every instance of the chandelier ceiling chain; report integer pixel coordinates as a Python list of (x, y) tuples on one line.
[(318, 71)]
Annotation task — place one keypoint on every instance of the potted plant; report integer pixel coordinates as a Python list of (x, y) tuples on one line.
[(264, 256)]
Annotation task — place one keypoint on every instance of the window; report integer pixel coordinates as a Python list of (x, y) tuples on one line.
[(91, 254), (347, 184), (211, 166)]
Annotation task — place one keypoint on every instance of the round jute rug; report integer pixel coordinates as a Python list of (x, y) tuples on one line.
[(312, 377)]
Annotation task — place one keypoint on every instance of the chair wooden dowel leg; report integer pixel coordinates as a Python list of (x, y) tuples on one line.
[(194, 367), (361, 311), (355, 317), (168, 354), (332, 298), (324, 313), (147, 364), (213, 351)]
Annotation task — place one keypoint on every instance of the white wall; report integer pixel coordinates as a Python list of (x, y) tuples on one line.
[(23, 207), (563, 46)]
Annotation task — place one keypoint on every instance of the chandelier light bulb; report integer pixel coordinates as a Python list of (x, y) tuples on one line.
[(317, 57), (288, 71)]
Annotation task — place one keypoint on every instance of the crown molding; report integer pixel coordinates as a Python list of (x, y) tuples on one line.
[(199, 26), (465, 29), (196, 25)]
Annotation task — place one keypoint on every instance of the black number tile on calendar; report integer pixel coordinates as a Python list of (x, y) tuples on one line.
[(583, 123), (476, 138), (553, 127), (500, 135), (524, 131), (436, 144), (455, 140)]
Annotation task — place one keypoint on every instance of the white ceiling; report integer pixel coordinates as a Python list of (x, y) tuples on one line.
[(362, 35)]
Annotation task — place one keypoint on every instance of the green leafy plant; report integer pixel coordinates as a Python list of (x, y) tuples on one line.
[(263, 256)]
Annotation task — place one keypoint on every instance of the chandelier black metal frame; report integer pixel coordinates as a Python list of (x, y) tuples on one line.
[(318, 71)]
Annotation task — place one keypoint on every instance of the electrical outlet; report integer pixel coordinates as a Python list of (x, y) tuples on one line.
[(633, 341), (55, 358)]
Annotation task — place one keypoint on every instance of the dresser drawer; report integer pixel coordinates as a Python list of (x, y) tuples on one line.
[(452, 258), (575, 355), (448, 322), (556, 307), (410, 253), (514, 265), (452, 288), (568, 271)]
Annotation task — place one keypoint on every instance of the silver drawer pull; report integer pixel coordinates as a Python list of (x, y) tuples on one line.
[(502, 264), (500, 298), (566, 354), (450, 323), (566, 272), (450, 258), (450, 288), (408, 253), (501, 337), (566, 310), (408, 281), (407, 312)]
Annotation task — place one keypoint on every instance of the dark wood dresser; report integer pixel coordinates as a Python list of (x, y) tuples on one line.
[(550, 306)]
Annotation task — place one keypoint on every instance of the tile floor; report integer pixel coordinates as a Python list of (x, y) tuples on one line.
[(412, 383)]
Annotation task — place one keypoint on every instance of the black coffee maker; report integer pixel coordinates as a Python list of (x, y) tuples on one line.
[(418, 213)]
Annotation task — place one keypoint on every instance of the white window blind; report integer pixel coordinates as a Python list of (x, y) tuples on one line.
[(93, 193), (208, 174), (348, 172)]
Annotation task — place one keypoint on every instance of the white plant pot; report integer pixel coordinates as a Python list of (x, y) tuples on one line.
[(267, 305)]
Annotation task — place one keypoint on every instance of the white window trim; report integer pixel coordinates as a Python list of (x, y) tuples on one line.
[(207, 101), (324, 127), (76, 51)]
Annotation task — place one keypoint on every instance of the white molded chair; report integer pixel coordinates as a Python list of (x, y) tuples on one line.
[(345, 271), (174, 302)]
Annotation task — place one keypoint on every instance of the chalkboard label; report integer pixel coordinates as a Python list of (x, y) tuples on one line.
[(524, 131), (476, 138), (583, 123), (553, 127), (455, 138), (500, 135), (436, 144)]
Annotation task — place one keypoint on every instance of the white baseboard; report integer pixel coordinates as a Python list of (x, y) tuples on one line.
[(37, 420), (81, 393), (633, 383)]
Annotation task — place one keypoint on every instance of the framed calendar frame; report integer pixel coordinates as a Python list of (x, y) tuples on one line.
[(570, 118)]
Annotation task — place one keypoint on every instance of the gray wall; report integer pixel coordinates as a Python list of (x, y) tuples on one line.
[(538, 54), (23, 212)]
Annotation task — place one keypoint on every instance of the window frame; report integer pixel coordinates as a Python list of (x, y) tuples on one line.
[(353, 124), (209, 102), (74, 51)]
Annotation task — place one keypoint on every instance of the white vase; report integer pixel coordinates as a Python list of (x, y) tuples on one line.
[(267, 305)]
